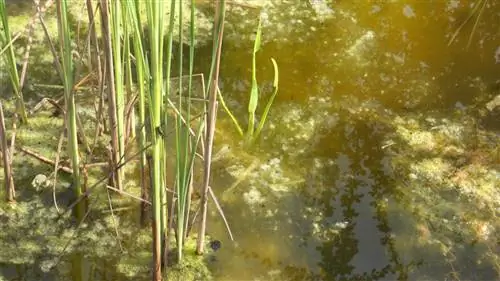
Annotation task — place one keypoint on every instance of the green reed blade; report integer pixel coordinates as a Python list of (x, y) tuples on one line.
[(181, 151), (71, 122), (116, 37), (155, 12), (142, 71)]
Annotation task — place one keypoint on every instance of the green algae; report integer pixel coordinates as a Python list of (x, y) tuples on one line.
[(456, 202)]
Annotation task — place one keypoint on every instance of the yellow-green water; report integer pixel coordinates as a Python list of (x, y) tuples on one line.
[(343, 81)]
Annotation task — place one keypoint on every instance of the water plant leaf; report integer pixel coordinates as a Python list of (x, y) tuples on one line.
[(254, 92), (271, 99), (223, 103)]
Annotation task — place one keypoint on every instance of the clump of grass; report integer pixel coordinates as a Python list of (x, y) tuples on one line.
[(121, 22), (8, 52)]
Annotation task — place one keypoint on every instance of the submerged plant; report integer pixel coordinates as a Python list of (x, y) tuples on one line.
[(478, 9), (253, 132)]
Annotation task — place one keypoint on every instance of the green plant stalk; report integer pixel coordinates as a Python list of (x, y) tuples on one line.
[(471, 15), (254, 92), (68, 80), (190, 176), (128, 68), (6, 42), (181, 144), (142, 80), (67, 64), (155, 12), (185, 145), (474, 27), (167, 91), (116, 35)]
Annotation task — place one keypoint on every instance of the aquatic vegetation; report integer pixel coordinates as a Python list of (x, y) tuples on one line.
[(119, 21), (7, 54), (375, 163), (454, 196), (478, 9), (67, 74), (254, 131)]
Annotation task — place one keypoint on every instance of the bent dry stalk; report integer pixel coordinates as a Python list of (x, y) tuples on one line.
[(212, 87), (112, 105)]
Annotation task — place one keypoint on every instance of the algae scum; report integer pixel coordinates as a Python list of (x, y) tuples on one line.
[(380, 159)]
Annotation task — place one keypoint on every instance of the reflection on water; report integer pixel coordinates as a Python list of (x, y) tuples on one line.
[(352, 208)]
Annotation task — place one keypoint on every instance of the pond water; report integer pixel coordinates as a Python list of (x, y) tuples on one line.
[(379, 160), (337, 189)]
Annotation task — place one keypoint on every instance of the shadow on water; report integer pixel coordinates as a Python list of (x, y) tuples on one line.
[(359, 185)]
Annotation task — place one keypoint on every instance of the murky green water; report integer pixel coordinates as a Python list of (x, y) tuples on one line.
[(379, 161), (336, 192)]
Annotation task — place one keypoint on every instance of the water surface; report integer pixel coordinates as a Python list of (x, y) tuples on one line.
[(327, 199)]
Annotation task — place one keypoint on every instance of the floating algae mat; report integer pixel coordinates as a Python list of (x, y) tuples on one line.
[(380, 158)]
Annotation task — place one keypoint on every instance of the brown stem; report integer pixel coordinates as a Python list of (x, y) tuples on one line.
[(45, 160), (106, 31), (97, 58), (56, 166), (145, 186), (9, 180), (211, 119)]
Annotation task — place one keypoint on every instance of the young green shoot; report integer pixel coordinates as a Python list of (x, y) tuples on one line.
[(253, 131)]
